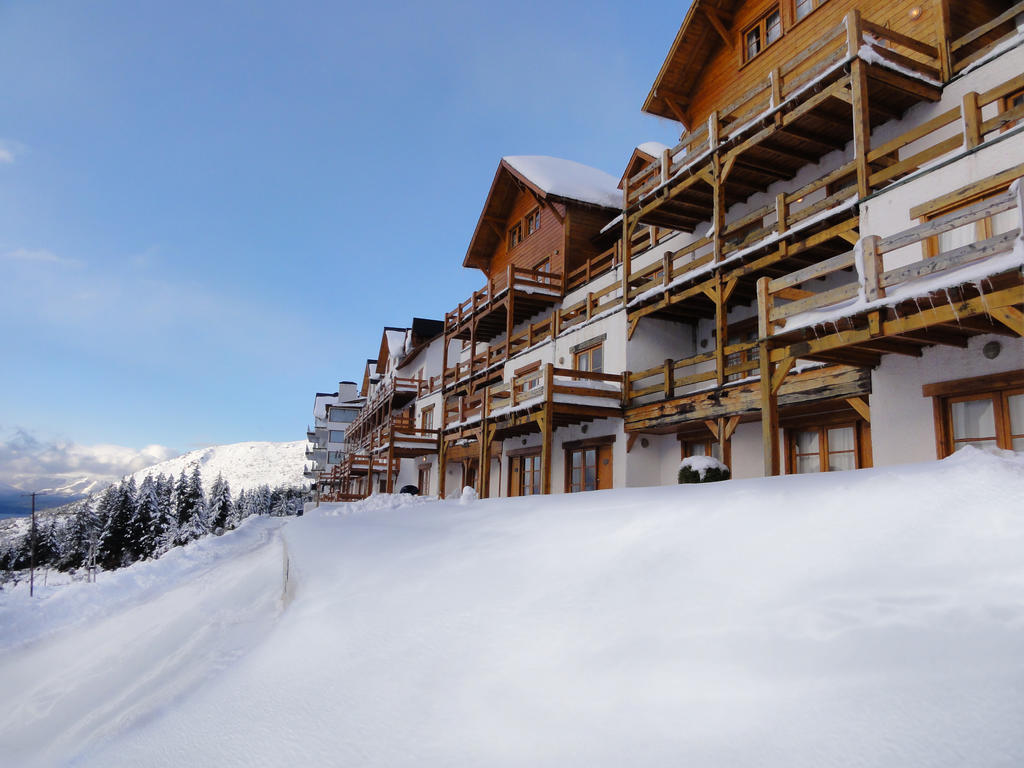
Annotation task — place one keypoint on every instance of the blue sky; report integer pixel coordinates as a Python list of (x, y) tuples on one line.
[(209, 210)]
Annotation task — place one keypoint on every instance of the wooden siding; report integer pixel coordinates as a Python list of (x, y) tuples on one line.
[(583, 226), (534, 248), (726, 78)]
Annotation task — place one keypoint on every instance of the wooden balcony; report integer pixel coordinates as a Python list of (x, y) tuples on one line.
[(573, 397), (857, 76), (790, 235), (393, 395), (504, 303), (868, 310), (486, 367), (400, 437)]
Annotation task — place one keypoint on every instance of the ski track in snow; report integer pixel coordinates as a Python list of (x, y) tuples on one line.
[(92, 661)]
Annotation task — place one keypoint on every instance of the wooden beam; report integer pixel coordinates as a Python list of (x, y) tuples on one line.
[(1011, 317), (631, 440), (716, 22), (861, 407), (769, 413), (784, 367), (861, 124)]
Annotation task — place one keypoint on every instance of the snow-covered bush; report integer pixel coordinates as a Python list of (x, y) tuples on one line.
[(703, 469)]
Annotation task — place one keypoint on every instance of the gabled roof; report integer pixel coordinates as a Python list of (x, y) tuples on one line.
[(549, 179), (642, 155), (698, 37), (370, 365), (392, 344)]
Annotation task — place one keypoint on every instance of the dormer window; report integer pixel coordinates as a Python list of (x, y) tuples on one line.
[(760, 35)]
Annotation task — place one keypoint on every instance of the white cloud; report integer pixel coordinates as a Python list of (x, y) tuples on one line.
[(6, 156), (30, 462)]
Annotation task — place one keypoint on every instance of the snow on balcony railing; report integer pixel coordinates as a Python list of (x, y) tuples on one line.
[(786, 304)]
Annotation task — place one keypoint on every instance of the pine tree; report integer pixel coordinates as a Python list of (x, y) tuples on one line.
[(238, 509), (147, 513), (113, 540), (165, 525), (182, 505), (197, 520), (221, 512)]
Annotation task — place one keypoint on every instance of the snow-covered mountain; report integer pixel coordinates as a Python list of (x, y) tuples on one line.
[(243, 465)]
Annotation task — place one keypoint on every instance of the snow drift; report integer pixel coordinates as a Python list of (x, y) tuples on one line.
[(848, 619)]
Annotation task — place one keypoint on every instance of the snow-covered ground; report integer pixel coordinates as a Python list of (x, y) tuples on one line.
[(871, 618)]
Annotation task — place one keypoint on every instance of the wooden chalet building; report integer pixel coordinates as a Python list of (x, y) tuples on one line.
[(824, 273)]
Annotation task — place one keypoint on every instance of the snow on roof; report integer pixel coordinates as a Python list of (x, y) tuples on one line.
[(565, 178), (652, 148), (396, 342)]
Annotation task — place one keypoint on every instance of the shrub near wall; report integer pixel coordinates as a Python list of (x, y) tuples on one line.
[(702, 469)]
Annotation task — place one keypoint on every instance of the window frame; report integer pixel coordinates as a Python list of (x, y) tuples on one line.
[(531, 222), (587, 353), (423, 479), (860, 436), (761, 26), (515, 235), (795, 19), (603, 450), (996, 387), (427, 417)]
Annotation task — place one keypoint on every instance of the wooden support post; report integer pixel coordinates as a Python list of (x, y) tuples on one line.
[(718, 186), (861, 122), (669, 376), (666, 165), (666, 268), (944, 36), (972, 120), (625, 389), (872, 257), (390, 485), (721, 330), (769, 413), (442, 465), (590, 303), (764, 308), (546, 429), (484, 473)]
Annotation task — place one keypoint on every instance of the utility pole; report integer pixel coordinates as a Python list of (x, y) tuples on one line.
[(32, 547)]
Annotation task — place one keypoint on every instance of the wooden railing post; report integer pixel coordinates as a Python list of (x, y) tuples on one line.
[(590, 303), (666, 268), (781, 212), (861, 122), (872, 258), (764, 307), (666, 164), (669, 383), (972, 120), (854, 33), (625, 393)]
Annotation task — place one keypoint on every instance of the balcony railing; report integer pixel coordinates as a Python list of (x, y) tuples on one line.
[(785, 303), (557, 385), (849, 39), (523, 281)]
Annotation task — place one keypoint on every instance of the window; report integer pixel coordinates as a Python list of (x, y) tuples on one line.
[(342, 415), (824, 449), (701, 448), (334, 457), (524, 478), (427, 418), (336, 436), (515, 236), (804, 7), (588, 465), (986, 411), (583, 470), (424, 480), (766, 31), (590, 359), (532, 221), (969, 233), (1013, 101)]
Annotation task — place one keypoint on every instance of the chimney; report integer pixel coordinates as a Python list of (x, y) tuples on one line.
[(347, 390)]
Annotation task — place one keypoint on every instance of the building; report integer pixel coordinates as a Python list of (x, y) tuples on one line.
[(824, 273)]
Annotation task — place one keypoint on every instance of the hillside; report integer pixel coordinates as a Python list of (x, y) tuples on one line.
[(243, 465), (870, 618)]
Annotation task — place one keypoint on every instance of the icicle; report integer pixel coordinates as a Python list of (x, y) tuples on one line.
[(952, 306), (981, 295)]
